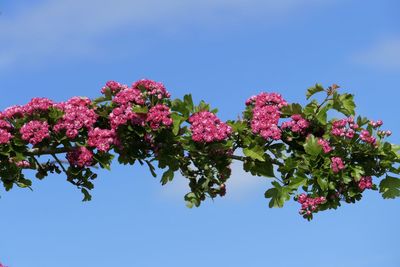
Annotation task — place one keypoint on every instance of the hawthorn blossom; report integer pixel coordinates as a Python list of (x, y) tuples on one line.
[(38, 104), (101, 138), (77, 115), (35, 131), (152, 88), (159, 115), (5, 137), (124, 114), (14, 112), (325, 145), (206, 127), (309, 204), (376, 124), (297, 124), (129, 95), (114, 86), (365, 183), (337, 164), (80, 157), (344, 128), (366, 137), (22, 164)]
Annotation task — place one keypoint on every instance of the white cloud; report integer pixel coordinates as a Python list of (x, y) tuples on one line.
[(384, 54), (64, 28)]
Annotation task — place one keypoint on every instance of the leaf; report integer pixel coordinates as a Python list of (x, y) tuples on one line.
[(312, 147), (344, 103), (292, 109), (167, 176), (151, 168), (177, 121), (295, 183), (277, 194), (313, 90), (390, 187), (357, 172), (140, 109), (311, 108), (323, 183), (255, 152), (188, 100), (323, 114), (86, 195)]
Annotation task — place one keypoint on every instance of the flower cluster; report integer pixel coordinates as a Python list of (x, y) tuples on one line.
[(206, 127), (344, 128), (101, 139), (337, 164), (266, 114), (23, 164), (77, 115), (325, 145), (5, 135), (152, 88), (159, 115), (128, 96), (37, 105), (365, 183), (297, 125), (14, 112), (309, 204), (80, 157), (366, 137), (35, 131), (384, 133), (113, 86), (376, 124)]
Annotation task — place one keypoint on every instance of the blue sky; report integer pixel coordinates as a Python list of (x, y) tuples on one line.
[(220, 51)]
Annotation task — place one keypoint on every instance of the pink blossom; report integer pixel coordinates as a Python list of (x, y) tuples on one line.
[(365, 183), (80, 157), (22, 164), (325, 145), (114, 86), (124, 114), (38, 105), (13, 112), (309, 204), (77, 115), (297, 124), (129, 95), (337, 164), (153, 88), (376, 124), (206, 127), (344, 128), (5, 136), (159, 115), (35, 131), (5, 125), (366, 137), (101, 138)]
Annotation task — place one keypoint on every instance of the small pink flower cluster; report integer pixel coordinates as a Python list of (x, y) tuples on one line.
[(128, 96), (325, 145), (23, 164), (376, 124), (80, 157), (159, 115), (309, 204), (152, 87), (37, 105), (365, 183), (384, 133), (366, 137), (266, 114), (206, 127), (121, 115), (113, 86), (77, 115), (339, 128), (297, 124), (14, 112), (5, 135), (337, 164), (101, 139), (35, 131)]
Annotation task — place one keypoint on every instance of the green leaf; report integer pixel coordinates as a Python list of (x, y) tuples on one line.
[(151, 168), (313, 90), (167, 176), (177, 121), (344, 103), (323, 183), (278, 195), (357, 172), (390, 187), (295, 183), (86, 195), (189, 102), (255, 152), (140, 109), (292, 109), (312, 147)]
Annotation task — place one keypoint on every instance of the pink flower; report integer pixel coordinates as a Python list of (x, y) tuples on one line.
[(325, 145), (22, 164), (129, 95), (152, 88), (35, 131), (266, 114), (337, 164), (365, 183), (309, 204), (80, 157), (344, 128), (206, 127), (38, 105), (159, 115), (366, 137), (77, 115), (124, 114), (376, 124), (114, 86), (101, 138), (5, 136), (297, 124), (13, 112)]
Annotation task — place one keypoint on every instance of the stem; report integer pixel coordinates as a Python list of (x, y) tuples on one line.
[(59, 163)]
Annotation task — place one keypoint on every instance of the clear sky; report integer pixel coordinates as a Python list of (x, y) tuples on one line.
[(222, 51)]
